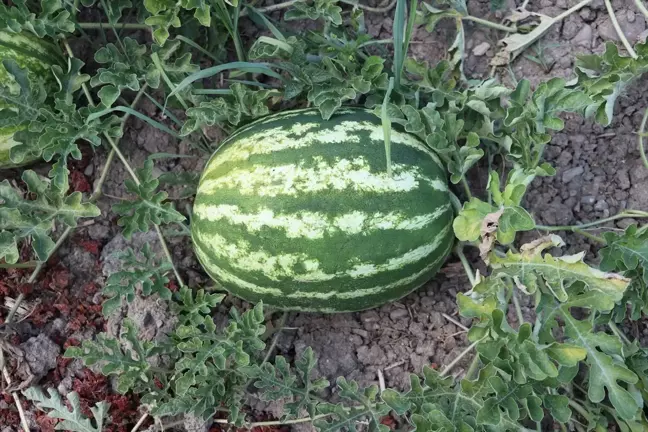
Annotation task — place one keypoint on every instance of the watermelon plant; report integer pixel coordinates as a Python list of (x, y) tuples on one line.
[(342, 186)]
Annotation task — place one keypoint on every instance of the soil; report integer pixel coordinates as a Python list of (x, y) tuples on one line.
[(599, 173)]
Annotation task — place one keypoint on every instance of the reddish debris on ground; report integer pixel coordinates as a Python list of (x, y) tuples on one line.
[(92, 246), (46, 424), (9, 417), (389, 421), (79, 182), (172, 285)]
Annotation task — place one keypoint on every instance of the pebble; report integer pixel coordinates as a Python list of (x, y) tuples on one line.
[(626, 222), (572, 173), (588, 199), (601, 205), (481, 49), (583, 37), (397, 314)]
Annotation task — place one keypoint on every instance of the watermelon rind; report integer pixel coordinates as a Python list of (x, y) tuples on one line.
[(300, 213)]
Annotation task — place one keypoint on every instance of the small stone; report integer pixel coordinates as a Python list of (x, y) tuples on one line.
[(626, 222), (587, 14), (623, 179), (583, 37), (89, 170), (370, 316), (398, 313), (481, 49), (436, 319), (588, 199), (601, 205), (572, 173), (360, 332), (631, 16)]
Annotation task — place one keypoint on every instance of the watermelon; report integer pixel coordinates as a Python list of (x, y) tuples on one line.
[(35, 55), (300, 213)]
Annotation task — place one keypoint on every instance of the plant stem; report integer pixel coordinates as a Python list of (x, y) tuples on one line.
[(275, 339), (579, 409), (642, 129), (461, 355), (473, 367), (518, 309), (623, 214), (619, 333), (272, 8), (387, 8), (466, 264), (119, 26), (464, 183), (124, 161), (275, 422), (27, 264), (596, 238), (490, 24), (168, 255), (641, 7), (622, 36)]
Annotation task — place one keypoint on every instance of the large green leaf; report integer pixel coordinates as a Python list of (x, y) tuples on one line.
[(530, 267)]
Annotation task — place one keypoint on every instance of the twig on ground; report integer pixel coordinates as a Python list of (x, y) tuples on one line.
[(393, 365), (140, 422), (381, 381), (461, 355), (16, 398), (454, 321)]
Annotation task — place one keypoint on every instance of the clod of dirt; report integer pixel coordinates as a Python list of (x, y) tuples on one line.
[(151, 315), (40, 353), (631, 25)]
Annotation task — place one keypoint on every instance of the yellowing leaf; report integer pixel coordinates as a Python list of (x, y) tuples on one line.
[(558, 273)]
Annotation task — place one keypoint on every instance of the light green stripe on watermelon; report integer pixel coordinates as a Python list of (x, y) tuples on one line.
[(299, 212), (314, 225), (356, 174)]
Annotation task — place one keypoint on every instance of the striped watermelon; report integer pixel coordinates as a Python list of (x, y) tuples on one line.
[(35, 55), (299, 212)]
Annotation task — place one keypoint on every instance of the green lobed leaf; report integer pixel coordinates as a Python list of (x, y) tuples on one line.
[(128, 362), (148, 207), (73, 420), (51, 20), (33, 218), (278, 381), (147, 275)]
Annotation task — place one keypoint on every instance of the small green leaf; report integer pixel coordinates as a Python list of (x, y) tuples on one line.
[(149, 206), (70, 420)]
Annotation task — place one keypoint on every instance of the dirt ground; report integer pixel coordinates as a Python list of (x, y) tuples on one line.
[(599, 174)]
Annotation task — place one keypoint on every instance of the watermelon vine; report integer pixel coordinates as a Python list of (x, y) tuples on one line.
[(570, 368)]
